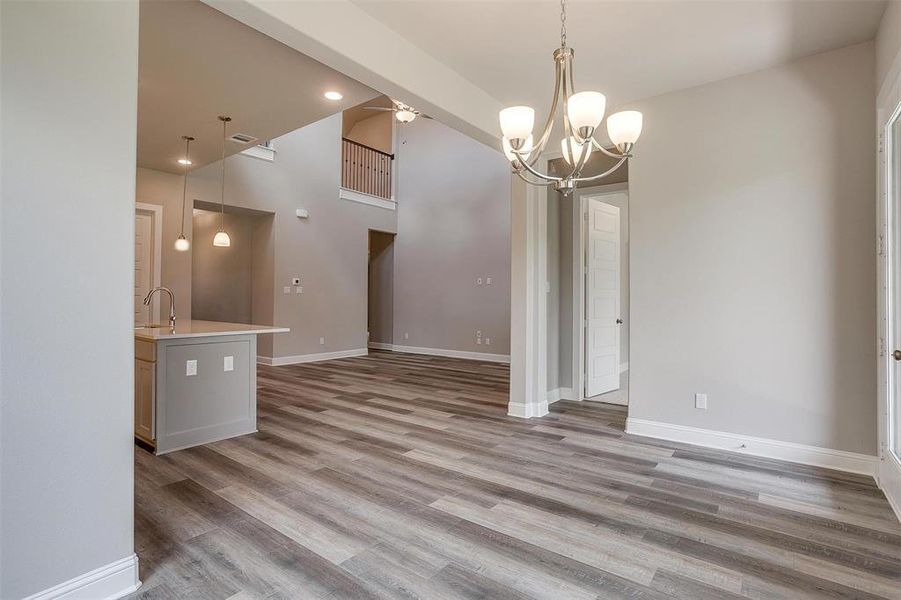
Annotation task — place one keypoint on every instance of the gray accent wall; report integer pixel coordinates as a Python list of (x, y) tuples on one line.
[(753, 230), (453, 226), (328, 251), (69, 104)]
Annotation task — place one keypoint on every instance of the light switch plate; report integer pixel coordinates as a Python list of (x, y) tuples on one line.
[(191, 368), (228, 364), (298, 289), (287, 289), (322, 341), (701, 401), (487, 341), (487, 281)]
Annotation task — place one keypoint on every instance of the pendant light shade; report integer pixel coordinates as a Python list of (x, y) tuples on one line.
[(182, 244), (221, 239)]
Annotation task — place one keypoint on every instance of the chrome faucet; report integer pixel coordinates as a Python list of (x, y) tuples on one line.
[(149, 297)]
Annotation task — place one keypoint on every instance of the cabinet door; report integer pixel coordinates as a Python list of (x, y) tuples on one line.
[(145, 400)]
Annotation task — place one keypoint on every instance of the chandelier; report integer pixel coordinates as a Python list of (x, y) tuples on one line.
[(583, 112)]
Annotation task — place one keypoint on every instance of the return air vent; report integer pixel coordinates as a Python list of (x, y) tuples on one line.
[(242, 138)]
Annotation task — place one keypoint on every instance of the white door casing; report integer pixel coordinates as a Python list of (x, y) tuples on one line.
[(602, 298), (148, 239)]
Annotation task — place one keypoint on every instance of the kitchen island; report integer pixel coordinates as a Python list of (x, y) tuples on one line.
[(196, 382)]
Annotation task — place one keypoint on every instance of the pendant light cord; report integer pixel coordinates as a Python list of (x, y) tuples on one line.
[(563, 23), (225, 121), (184, 189)]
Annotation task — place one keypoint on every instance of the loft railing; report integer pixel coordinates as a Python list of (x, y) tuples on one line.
[(365, 169)]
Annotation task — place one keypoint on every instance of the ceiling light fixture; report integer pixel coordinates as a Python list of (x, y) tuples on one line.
[(184, 161), (332, 95), (583, 112), (182, 244), (221, 238)]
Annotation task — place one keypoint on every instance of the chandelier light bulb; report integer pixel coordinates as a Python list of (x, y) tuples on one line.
[(182, 244), (222, 240), (624, 127), (404, 116), (524, 151), (517, 122), (586, 109), (577, 149)]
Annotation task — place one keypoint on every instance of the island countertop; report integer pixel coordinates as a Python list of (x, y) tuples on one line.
[(189, 328)]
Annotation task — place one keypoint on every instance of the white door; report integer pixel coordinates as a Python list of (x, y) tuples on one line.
[(892, 432), (143, 266), (602, 298), (148, 247)]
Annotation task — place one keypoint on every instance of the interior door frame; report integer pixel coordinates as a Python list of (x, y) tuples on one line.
[(156, 214), (888, 109), (578, 279)]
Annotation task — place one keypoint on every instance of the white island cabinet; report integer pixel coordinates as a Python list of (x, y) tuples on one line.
[(196, 383)]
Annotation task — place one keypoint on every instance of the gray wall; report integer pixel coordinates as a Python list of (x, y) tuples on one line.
[(164, 189), (888, 41), (753, 267), (222, 278), (453, 226), (381, 287), (328, 251), (69, 104)]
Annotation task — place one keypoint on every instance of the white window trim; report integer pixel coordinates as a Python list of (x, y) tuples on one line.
[(355, 196)]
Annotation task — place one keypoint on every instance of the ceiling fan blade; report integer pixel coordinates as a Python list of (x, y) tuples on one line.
[(378, 108)]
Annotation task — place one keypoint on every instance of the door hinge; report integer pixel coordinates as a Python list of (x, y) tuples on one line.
[(585, 215), (880, 249), (881, 141), (881, 346)]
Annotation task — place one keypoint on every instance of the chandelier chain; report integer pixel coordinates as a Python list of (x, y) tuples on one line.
[(563, 23)]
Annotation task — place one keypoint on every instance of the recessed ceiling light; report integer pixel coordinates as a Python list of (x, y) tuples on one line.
[(184, 161), (332, 95)]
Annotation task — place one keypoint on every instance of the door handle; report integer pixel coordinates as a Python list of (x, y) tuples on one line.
[(896, 354), (620, 322)]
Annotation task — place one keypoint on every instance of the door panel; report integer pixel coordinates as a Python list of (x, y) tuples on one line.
[(602, 335), (143, 266)]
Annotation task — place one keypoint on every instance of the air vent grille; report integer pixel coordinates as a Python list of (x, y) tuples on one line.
[(242, 138)]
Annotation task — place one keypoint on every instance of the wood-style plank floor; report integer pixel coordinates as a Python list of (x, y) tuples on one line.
[(400, 476)]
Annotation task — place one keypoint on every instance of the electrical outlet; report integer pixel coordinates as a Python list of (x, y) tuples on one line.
[(295, 281), (191, 368), (701, 401), (228, 363), (322, 341), (478, 281), (298, 289), (478, 333)]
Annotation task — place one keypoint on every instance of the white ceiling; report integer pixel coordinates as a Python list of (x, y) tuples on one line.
[(627, 49), (196, 63)]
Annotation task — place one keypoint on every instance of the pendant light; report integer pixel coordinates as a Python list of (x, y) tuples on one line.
[(221, 239), (182, 244)]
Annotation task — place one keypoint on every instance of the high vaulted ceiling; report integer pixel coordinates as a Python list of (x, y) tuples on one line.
[(628, 49), (197, 63)]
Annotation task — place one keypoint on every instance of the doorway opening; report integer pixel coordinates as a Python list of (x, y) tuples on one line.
[(380, 294), (604, 297), (148, 261)]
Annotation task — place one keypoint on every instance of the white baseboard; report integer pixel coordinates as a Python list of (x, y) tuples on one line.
[(279, 361), (623, 367), (889, 479), (498, 358), (355, 196), (840, 460), (109, 582), (527, 411), (559, 394)]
